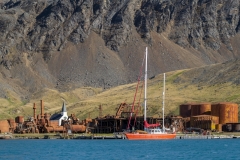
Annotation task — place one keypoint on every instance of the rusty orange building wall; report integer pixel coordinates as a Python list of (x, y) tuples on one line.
[(185, 110), (213, 119), (227, 112), (204, 121), (4, 126)]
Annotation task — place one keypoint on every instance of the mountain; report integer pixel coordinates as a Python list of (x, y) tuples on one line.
[(65, 45)]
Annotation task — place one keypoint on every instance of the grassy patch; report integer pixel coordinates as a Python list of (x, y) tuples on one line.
[(84, 102), (233, 98), (174, 76)]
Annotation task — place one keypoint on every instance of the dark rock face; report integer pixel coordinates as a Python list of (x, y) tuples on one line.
[(49, 27), (45, 26), (194, 22)]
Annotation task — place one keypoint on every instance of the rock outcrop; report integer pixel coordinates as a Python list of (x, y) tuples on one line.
[(106, 36)]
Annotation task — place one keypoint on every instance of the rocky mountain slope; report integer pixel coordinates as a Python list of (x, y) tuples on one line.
[(100, 43)]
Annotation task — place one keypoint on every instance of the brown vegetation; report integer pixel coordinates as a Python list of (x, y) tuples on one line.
[(182, 86)]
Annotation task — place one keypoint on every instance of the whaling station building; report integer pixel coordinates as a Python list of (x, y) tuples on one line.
[(204, 116)]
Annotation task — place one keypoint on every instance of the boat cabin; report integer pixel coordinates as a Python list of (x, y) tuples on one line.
[(155, 131)]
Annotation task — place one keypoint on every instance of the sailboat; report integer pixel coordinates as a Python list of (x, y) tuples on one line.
[(151, 131)]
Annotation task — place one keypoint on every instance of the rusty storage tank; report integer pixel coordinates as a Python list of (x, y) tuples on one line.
[(195, 109), (78, 128), (185, 110), (227, 112), (205, 109), (4, 126), (201, 109), (19, 119), (218, 127), (215, 109)]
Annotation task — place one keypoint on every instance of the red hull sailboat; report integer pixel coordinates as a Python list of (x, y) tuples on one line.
[(150, 136), (151, 131)]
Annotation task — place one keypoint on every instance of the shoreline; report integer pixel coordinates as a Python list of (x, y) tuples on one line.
[(113, 136)]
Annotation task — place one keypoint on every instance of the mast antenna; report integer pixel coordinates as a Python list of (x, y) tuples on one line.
[(145, 90), (163, 103)]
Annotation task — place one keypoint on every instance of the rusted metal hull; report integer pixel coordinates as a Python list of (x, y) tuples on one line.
[(137, 136)]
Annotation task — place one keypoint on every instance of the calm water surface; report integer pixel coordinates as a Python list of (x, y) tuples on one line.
[(215, 149)]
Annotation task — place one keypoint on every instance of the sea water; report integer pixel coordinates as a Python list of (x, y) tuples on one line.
[(203, 149)]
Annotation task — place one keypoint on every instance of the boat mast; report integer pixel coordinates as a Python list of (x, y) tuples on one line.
[(145, 89), (163, 103)]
